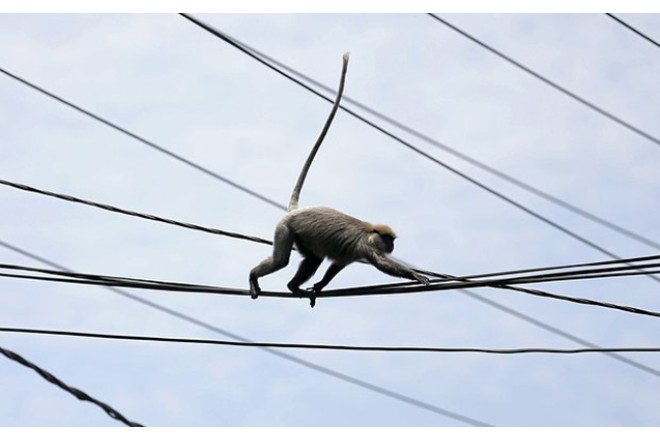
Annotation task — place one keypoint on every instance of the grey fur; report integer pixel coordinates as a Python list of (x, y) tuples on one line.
[(321, 232)]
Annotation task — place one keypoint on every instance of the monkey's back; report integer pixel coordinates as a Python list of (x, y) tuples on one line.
[(326, 232)]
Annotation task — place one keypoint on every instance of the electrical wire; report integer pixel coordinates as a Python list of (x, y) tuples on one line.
[(144, 141), (557, 331), (151, 144), (283, 355), (72, 390), (554, 85), (492, 170), (444, 282), (235, 235), (226, 38), (407, 129), (150, 217), (308, 346), (389, 289), (641, 34)]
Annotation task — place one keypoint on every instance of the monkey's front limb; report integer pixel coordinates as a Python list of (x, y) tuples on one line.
[(389, 266), (420, 278)]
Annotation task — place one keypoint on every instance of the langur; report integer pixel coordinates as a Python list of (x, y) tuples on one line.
[(322, 232)]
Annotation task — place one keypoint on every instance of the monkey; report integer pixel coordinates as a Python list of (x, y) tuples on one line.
[(322, 232)]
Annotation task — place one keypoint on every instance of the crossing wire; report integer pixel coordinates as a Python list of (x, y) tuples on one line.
[(144, 141), (492, 170), (307, 346), (196, 227), (403, 127), (72, 390), (507, 284), (505, 309), (554, 85), (386, 289), (641, 34), (297, 360), (229, 40), (118, 210)]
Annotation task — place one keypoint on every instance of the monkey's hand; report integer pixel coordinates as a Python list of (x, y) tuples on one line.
[(421, 279)]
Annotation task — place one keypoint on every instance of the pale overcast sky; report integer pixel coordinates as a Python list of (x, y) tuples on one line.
[(167, 80)]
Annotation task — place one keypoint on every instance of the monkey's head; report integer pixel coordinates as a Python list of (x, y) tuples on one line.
[(382, 237)]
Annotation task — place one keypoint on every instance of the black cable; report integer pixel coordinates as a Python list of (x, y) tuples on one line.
[(140, 299), (145, 141), (72, 390), (357, 291), (283, 355), (347, 378), (359, 348), (490, 190), (444, 282), (354, 291), (151, 217), (500, 174), (651, 243), (556, 86), (235, 235), (442, 285), (467, 158), (557, 331), (641, 34)]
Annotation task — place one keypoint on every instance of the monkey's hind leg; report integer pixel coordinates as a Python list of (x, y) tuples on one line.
[(281, 251), (306, 270)]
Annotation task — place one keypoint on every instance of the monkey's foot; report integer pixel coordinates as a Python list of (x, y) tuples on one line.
[(304, 293), (311, 291), (255, 290)]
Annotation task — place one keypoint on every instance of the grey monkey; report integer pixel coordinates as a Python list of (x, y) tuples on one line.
[(322, 232)]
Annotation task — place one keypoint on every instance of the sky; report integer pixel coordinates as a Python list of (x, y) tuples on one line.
[(167, 80)]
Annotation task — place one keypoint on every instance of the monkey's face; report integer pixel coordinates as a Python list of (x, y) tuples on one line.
[(384, 242)]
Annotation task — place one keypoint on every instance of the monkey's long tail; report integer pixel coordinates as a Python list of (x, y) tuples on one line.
[(295, 194)]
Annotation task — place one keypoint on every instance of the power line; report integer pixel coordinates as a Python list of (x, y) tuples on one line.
[(557, 331), (591, 244), (145, 141), (347, 378), (556, 86), (396, 288), (283, 355), (641, 34), (490, 190), (308, 346), (407, 129), (500, 174), (72, 390), (235, 235), (150, 217)]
